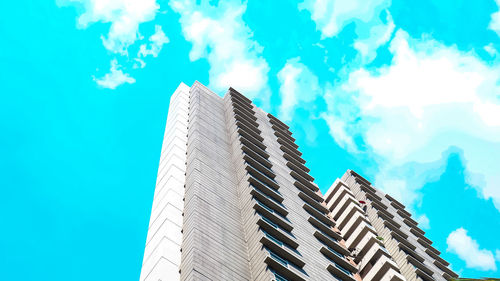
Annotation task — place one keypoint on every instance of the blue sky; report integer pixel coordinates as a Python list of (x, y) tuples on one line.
[(405, 92)]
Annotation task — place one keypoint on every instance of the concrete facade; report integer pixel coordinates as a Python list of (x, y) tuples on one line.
[(235, 201), (386, 242)]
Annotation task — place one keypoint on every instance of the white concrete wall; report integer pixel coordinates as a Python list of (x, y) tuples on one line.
[(162, 255)]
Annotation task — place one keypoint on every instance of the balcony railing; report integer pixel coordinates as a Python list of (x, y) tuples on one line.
[(256, 146), (327, 229), (304, 181), (257, 165), (297, 163), (269, 200), (317, 214), (263, 177), (300, 186), (257, 156)]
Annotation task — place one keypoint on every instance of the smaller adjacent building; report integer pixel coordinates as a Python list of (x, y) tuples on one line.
[(381, 236)]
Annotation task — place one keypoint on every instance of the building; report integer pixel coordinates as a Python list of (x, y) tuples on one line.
[(383, 238), (234, 201)]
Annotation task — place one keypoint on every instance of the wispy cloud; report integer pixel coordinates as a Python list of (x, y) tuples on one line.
[(298, 86), (219, 34), (432, 97), (374, 24), (157, 40), (125, 18), (467, 249), (495, 20), (115, 77)]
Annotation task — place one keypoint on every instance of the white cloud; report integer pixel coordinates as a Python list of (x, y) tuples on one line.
[(495, 20), (423, 222), (125, 17), (220, 35), (490, 49), (331, 16), (468, 250), (115, 78), (298, 85), (432, 97), (158, 39)]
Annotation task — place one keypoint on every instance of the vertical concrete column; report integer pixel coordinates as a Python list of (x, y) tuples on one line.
[(162, 255), (213, 245)]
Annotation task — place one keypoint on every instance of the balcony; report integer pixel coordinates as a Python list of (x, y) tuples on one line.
[(437, 257), (357, 231), (422, 275), (411, 223), (238, 116), (262, 160), (295, 159), (381, 207), (245, 113), (396, 202), (420, 268), (383, 269), (374, 198), (394, 227), (327, 229), (356, 222), (317, 214), (293, 153), (262, 177), (305, 182), (308, 191), (330, 241), (339, 271), (236, 94), (445, 269), (265, 188), (241, 104), (277, 121), (418, 232), (396, 236), (254, 145), (278, 128), (287, 137), (287, 143), (316, 204), (367, 241), (257, 165), (284, 267), (386, 217), (250, 129), (342, 206), (299, 171), (255, 139), (277, 276), (281, 248), (269, 201), (273, 215), (338, 258), (275, 230), (296, 163), (339, 196), (401, 212), (359, 178), (347, 214), (411, 252)]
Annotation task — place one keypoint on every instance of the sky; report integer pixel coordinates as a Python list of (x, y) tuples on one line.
[(407, 93)]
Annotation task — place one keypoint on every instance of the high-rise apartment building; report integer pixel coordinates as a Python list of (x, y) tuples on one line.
[(383, 239), (234, 201)]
